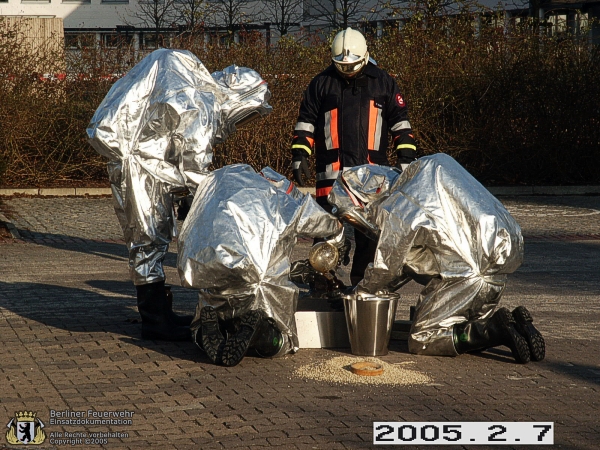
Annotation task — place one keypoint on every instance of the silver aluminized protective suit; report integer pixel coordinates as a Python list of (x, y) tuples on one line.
[(435, 222), (236, 243), (157, 126)]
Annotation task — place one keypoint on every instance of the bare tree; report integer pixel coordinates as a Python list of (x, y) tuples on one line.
[(283, 14), (194, 14), (155, 14), (341, 13), (433, 8), (231, 13)]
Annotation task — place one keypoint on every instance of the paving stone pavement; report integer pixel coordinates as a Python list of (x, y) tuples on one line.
[(71, 343)]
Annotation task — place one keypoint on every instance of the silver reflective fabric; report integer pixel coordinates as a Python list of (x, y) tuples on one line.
[(281, 183), (157, 126), (247, 97), (436, 223), (236, 243), (359, 186)]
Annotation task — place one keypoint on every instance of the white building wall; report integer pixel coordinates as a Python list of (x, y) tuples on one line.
[(93, 14)]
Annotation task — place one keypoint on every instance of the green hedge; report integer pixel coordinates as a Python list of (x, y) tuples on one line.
[(513, 108)]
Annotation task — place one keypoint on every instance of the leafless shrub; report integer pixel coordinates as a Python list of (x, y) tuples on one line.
[(518, 107)]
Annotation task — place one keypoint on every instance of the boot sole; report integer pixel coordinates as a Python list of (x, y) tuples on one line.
[(516, 342), (535, 340), (237, 344), (211, 338)]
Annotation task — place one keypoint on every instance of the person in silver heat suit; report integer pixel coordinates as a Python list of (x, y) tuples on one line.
[(437, 225), (235, 247), (157, 126)]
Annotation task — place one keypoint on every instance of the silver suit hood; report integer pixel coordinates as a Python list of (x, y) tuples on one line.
[(247, 98), (168, 111)]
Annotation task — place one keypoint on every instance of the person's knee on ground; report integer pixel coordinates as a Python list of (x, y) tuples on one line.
[(269, 341), (158, 320), (500, 329)]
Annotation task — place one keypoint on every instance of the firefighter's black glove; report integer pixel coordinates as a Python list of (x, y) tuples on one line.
[(402, 164), (300, 167), (405, 157)]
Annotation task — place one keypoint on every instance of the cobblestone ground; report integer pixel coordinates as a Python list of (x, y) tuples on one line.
[(71, 342)]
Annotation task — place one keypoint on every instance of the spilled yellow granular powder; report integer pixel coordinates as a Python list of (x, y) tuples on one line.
[(337, 370)]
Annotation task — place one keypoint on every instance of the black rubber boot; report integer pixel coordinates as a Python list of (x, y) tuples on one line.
[(157, 317), (185, 320), (268, 340), (209, 335), (500, 329), (537, 345), (237, 343)]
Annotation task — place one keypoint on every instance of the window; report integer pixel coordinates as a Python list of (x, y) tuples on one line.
[(114, 40), (77, 41), (149, 40), (557, 24)]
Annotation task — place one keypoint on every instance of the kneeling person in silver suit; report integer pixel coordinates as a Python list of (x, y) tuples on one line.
[(235, 247), (436, 224)]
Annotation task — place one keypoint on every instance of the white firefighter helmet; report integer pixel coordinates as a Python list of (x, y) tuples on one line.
[(349, 52)]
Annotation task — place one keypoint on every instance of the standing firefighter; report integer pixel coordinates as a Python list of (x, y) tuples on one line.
[(157, 126), (437, 225), (345, 116)]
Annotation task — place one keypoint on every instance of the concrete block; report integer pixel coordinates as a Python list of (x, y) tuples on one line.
[(401, 330), (9, 226), (13, 191), (318, 329), (566, 190), (93, 191), (510, 190), (60, 192)]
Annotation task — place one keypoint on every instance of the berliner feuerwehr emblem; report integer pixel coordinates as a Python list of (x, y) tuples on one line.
[(25, 428)]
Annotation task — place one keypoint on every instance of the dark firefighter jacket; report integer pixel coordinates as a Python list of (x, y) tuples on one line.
[(345, 123)]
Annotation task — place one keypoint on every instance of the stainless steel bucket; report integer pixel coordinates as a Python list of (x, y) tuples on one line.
[(369, 319)]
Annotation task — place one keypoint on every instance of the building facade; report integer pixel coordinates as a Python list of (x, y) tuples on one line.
[(114, 22)]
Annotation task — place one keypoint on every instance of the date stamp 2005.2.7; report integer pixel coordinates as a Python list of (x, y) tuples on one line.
[(462, 433)]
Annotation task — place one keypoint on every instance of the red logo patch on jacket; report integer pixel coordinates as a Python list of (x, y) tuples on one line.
[(400, 101)]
